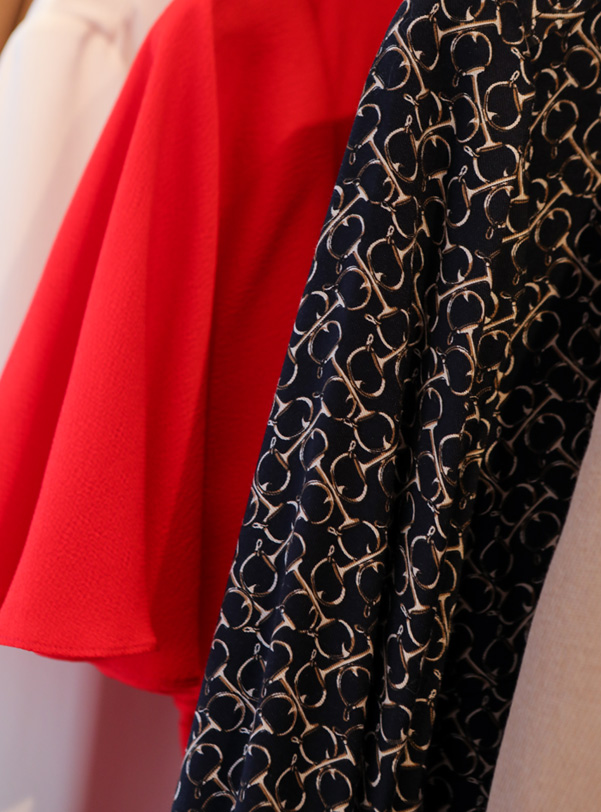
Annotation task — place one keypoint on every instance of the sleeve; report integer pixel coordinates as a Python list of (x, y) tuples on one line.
[(138, 391), (103, 396), (427, 430)]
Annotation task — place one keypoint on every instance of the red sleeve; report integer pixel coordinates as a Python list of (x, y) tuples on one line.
[(102, 403), (134, 404)]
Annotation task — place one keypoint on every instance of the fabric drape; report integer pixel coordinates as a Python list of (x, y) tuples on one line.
[(428, 427), (138, 390), (60, 75)]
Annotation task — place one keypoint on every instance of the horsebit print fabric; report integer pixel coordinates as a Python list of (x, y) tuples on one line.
[(427, 431)]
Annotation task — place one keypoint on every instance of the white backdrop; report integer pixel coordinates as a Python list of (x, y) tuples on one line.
[(72, 740)]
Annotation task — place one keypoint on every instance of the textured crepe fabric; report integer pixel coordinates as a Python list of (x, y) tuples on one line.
[(135, 400), (427, 431), (60, 75)]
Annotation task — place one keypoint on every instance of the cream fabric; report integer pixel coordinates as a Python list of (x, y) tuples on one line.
[(550, 758), (60, 74)]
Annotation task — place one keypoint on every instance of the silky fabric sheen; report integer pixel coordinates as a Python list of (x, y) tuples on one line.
[(60, 75), (427, 431)]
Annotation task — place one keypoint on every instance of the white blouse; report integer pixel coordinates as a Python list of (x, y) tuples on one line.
[(60, 74)]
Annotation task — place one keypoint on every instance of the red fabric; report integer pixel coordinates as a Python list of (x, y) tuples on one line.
[(133, 406)]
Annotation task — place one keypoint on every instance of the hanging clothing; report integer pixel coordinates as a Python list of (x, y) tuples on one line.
[(60, 75), (136, 396), (431, 417)]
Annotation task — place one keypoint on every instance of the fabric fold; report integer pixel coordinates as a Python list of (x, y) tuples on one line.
[(428, 427), (136, 396), (60, 75), (115, 348)]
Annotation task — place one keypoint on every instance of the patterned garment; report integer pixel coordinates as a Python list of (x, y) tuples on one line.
[(427, 431)]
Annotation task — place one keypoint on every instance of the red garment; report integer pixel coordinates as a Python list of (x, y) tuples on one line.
[(133, 406)]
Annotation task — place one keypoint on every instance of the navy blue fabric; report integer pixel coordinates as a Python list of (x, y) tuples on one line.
[(427, 431)]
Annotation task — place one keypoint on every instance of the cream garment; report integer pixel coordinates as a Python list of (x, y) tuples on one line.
[(60, 74), (550, 759)]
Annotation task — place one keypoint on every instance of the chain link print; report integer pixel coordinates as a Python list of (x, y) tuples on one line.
[(427, 431)]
